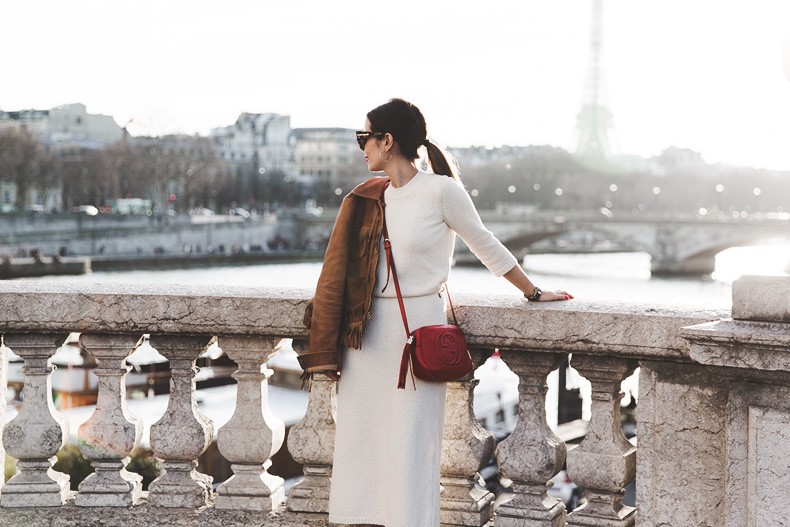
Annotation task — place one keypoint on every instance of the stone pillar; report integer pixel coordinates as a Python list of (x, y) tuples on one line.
[(532, 454), (605, 461), (253, 434), (183, 433), (466, 448), (36, 434), (746, 366), (112, 431), (312, 443)]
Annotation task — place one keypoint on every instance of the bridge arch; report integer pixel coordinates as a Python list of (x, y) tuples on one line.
[(520, 243), (703, 261)]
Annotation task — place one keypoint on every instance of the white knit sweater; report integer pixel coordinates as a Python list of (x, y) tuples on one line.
[(423, 217), (388, 441)]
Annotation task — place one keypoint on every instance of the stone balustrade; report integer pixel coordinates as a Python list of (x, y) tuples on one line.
[(713, 413)]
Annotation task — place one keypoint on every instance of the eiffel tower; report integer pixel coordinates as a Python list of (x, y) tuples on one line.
[(594, 121)]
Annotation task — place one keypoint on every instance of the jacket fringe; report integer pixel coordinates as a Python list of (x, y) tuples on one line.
[(307, 320), (354, 336), (307, 378)]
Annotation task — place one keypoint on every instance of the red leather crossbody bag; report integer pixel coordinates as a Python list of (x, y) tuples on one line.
[(436, 353)]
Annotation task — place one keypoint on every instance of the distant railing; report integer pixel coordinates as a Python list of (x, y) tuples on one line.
[(714, 406)]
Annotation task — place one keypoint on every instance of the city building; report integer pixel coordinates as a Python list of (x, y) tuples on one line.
[(261, 140), (329, 156), (66, 125)]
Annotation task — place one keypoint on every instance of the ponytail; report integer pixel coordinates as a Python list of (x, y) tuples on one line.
[(438, 161), (407, 125)]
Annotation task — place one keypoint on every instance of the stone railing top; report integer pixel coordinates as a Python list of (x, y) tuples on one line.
[(608, 328), (503, 321), (761, 298), (753, 345), (133, 308)]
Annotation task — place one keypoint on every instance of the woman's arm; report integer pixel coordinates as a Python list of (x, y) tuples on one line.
[(460, 215), (518, 278)]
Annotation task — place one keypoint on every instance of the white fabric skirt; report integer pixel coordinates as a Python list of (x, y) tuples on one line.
[(388, 442)]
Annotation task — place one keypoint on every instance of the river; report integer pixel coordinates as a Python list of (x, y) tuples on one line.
[(607, 277)]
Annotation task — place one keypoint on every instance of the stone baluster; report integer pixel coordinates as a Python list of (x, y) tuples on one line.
[(605, 461), (3, 387), (532, 454), (312, 443), (112, 431), (466, 448), (183, 433), (253, 434), (36, 434)]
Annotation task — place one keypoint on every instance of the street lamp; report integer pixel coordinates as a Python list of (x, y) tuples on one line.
[(719, 192), (612, 190)]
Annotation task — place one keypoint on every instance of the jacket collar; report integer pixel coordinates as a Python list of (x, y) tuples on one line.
[(372, 188)]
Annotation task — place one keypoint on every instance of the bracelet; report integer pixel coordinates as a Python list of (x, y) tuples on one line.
[(535, 296)]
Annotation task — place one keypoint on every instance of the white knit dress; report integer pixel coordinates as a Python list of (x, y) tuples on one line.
[(388, 442)]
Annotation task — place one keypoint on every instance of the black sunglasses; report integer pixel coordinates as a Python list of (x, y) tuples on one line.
[(363, 136)]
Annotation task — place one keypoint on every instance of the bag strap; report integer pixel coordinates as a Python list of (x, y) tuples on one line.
[(455, 320), (405, 362), (391, 268)]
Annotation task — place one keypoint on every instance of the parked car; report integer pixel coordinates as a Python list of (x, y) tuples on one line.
[(201, 211), (238, 211), (90, 210)]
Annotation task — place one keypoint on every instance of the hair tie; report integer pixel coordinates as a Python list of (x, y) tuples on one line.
[(426, 142)]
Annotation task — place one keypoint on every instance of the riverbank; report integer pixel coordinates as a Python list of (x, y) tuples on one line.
[(198, 260)]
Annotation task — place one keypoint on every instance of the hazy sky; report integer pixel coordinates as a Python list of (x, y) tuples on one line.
[(710, 75)]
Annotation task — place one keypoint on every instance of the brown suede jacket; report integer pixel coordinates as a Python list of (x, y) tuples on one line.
[(340, 308)]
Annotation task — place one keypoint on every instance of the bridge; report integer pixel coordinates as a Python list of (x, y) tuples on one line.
[(677, 243)]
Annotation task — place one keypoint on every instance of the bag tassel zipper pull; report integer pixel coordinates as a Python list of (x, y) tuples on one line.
[(405, 364)]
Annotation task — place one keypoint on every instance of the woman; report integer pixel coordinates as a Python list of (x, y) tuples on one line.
[(388, 441)]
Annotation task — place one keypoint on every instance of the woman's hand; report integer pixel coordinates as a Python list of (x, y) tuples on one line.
[(517, 277), (551, 296)]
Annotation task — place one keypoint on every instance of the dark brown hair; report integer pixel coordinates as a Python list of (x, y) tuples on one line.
[(407, 125)]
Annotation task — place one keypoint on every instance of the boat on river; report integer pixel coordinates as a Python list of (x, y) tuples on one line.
[(35, 266)]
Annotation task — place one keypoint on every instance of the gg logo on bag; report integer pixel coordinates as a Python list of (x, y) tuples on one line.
[(448, 348)]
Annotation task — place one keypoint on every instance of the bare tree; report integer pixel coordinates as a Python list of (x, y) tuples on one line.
[(184, 167), (128, 170), (23, 162), (83, 175)]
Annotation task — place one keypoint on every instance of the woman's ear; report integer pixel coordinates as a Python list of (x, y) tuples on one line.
[(389, 141)]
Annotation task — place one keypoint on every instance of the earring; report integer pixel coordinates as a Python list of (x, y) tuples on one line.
[(382, 159)]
